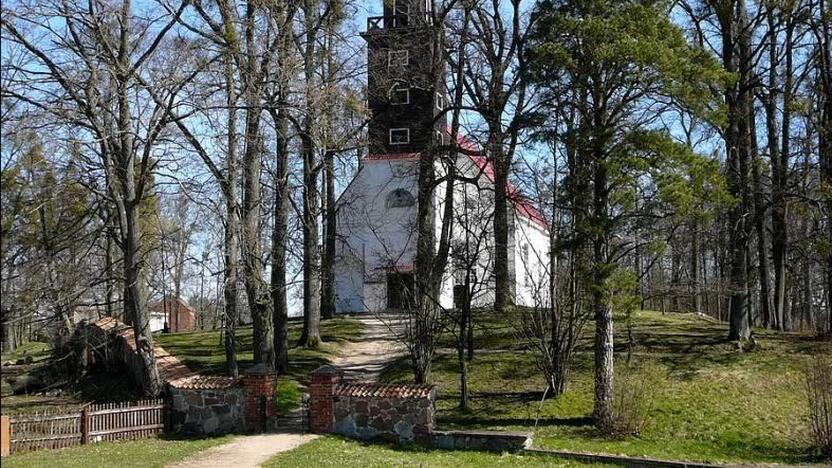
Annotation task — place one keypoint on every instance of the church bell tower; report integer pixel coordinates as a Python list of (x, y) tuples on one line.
[(405, 93)]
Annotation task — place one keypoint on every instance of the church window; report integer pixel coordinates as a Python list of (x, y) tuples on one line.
[(397, 58), (399, 136), (440, 101), (399, 94), (400, 198)]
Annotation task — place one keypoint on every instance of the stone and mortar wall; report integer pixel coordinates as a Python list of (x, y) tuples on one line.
[(199, 404), (481, 440), (207, 411), (206, 405), (395, 419), (403, 413)]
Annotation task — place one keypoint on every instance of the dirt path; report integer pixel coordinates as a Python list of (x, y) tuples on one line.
[(365, 359), (246, 451)]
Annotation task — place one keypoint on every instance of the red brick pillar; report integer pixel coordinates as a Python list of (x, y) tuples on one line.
[(321, 404), (259, 407), (5, 435)]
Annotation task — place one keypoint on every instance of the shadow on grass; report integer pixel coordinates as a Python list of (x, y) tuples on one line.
[(460, 419), (203, 351)]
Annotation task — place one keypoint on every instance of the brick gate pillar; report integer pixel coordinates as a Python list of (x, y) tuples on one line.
[(321, 404), (5, 435), (259, 407)]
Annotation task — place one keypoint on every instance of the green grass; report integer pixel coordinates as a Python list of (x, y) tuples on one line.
[(287, 396), (147, 453), (204, 353), (711, 402), (36, 349), (338, 453)]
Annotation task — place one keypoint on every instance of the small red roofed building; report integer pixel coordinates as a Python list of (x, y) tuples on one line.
[(171, 315)]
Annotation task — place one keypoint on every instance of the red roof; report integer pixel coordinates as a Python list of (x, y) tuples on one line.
[(382, 391), (521, 204), (204, 382), (399, 268), (390, 156), (169, 367)]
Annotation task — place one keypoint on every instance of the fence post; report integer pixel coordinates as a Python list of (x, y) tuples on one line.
[(5, 435), (85, 425)]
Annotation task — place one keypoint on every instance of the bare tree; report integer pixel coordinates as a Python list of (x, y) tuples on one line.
[(98, 70)]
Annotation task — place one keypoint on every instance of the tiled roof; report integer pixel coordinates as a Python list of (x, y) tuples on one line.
[(390, 156), (382, 391), (399, 268), (106, 323), (521, 204), (198, 382), (170, 368)]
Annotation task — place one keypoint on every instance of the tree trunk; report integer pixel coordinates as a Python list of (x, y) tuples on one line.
[(735, 52), (462, 344), (696, 268), (760, 224), (328, 264), (259, 298), (135, 285), (280, 242), (779, 169), (824, 35), (603, 409), (503, 263), (232, 224), (280, 238), (109, 280), (310, 336)]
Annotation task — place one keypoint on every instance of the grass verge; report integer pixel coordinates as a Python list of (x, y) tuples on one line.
[(146, 453), (336, 453)]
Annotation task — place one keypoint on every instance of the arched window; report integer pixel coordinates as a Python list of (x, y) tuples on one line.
[(400, 198)]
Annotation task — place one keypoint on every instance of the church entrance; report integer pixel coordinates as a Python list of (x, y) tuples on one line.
[(399, 290)]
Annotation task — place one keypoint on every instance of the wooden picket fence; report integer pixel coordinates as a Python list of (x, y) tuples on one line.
[(92, 423)]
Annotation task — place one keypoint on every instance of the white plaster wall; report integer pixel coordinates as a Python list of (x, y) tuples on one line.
[(349, 281), (532, 275), (375, 297), (474, 218), (373, 237)]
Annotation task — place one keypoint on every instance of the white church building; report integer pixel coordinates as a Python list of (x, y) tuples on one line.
[(376, 213)]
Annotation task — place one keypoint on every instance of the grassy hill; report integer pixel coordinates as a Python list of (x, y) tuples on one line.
[(707, 400), (202, 351)]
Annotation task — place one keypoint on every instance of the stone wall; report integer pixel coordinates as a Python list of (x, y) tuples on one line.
[(203, 407), (402, 413), (200, 405), (482, 440)]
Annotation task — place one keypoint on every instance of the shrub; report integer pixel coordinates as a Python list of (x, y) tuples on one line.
[(635, 387), (819, 393)]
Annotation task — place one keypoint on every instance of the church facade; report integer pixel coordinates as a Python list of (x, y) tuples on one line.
[(376, 214)]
